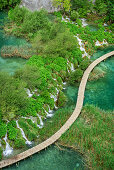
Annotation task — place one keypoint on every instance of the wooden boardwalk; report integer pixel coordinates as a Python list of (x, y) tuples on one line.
[(67, 125)]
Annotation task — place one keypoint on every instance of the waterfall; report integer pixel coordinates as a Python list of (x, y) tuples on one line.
[(23, 134), (41, 122), (8, 149)]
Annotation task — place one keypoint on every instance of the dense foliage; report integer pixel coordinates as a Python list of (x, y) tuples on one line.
[(103, 10), (13, 97), (8, 3), (56, 50)]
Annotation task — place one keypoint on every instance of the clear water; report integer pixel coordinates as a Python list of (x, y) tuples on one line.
[(51, 159), (9, 65), (93, 27), (100, 92)]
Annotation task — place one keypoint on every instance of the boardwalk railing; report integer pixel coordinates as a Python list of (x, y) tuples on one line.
[(67, 125)]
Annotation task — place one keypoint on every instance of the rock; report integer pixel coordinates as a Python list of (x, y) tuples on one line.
[(38, 4)]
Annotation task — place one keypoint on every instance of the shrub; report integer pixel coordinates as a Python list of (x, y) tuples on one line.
[(74, 15), (84, 64), (19, 143), (8, 3), (61, 99), (3, 129), (75, 76), (17, 14)]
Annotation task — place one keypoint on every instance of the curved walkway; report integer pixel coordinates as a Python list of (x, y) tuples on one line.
[(67, 125)]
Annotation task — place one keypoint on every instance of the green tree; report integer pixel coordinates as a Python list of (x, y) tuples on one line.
[(63, 4), (8, 3), (13, 97)]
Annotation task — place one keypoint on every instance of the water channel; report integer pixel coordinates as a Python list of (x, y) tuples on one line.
[(98, 92)]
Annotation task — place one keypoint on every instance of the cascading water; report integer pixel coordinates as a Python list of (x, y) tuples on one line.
[(38, 4), (23, 134), (8, 149)]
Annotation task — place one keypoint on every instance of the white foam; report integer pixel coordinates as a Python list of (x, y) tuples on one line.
[(29, 93), (72, 67), (84, 23), (41, 122), (101, 43), (81, 44), (8, 151)]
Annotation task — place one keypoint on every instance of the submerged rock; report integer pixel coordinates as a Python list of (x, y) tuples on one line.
[(38, 4)]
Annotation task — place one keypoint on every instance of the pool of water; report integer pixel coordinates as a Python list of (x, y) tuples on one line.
[(100, 92), (52, 159), (9, 65)]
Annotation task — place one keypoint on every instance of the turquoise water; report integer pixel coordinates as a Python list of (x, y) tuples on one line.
[(93, 27), (100, 92), (52, 159), (9, 65)]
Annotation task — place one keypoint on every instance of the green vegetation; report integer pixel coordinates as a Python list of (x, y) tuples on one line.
[(17, 51), (57, 121), (101, 10), (8, 3), (14, 135), (56, 50), (30, 129), (96, 74), (13, 97), (64, 5), (91, 134)]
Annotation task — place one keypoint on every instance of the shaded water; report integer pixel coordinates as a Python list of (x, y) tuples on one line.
[(101, 91), (9, 65)]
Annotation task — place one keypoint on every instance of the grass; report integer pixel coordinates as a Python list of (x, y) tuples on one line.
[(91, 134)]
